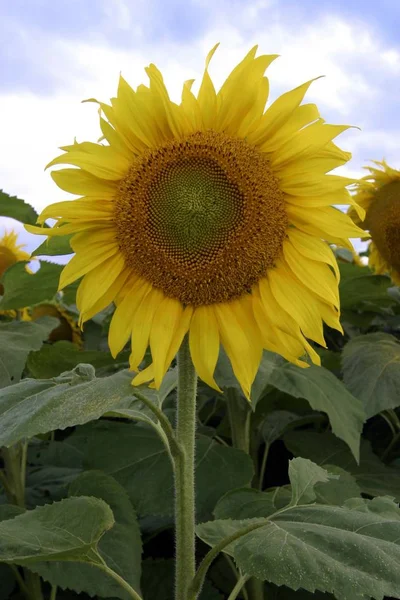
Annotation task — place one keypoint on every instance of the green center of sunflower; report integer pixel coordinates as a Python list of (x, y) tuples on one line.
[(202, 218), (194, 206), (383, 221)]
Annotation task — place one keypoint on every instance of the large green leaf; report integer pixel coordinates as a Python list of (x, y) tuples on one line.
[(359, 290), (11, 206), (372, 476), (304, 475), (55, 246), (137, 459), (51, 360), (348, 551), (17, 339), (371, 370), (335, 487), (23, 289), (322, 390), (7, 576), (36, 406), (69, 530), (274, 592), (120, 547)]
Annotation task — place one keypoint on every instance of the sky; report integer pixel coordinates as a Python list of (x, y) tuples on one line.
[(56, 53)]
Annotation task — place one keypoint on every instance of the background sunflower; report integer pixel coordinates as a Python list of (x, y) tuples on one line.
[(379, 195)]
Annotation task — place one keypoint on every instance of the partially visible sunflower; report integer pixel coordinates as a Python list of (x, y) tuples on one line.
[(68, 328), (379, 195), (10, 253), (210, 218)]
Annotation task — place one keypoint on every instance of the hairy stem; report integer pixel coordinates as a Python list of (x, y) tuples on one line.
[(124, 584), (238, 587), (184, 474), (205, 564), (15, 475), (239, 413)]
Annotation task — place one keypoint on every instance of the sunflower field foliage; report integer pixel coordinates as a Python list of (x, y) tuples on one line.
[(206, 239)]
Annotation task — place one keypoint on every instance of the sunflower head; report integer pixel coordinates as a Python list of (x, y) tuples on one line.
[(67, 329), (10, 253), (209, 218), (379, 194)]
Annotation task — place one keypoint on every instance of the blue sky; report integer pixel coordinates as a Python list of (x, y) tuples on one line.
[(56, 53)]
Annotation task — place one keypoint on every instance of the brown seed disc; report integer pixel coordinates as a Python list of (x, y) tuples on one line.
[(383, 221), (201, 218)]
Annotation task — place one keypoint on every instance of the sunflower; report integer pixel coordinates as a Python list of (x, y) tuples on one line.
[(208, 218), (379, 195), (68, 328), (10, 253)]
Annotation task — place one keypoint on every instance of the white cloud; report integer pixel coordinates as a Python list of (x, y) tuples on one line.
[(355, 61)]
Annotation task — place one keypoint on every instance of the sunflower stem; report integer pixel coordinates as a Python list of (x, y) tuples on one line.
[(184, 473), (239, 412)]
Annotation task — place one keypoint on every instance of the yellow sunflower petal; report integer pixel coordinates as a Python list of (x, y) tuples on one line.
[(82, 183), (141, 326), (101, 161), (326, 222), (207, 98), (121, 322), (243, 349), (314, 248), (165, 322), (82, 210), (99, 287), (315, 275), (300, 117), (294, 298), (144, 376), (239, 92), (204, 343), (80, 264), (278, 113)]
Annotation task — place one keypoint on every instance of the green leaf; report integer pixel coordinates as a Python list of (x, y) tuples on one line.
[(136, 457), (55, 246), (365, 290), (9, 511), (120, 547), (332, 486), (304, 475), (274, 592), (48, 484), (36, 406), (11, 206), (23, 289), (7, 577), (323, 391), (372, 476), (337, 491), (371, 370), (351, 553), (68, 530), (247, 503), (51, 360), (18, 338), (275, 424), (69, 292)]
